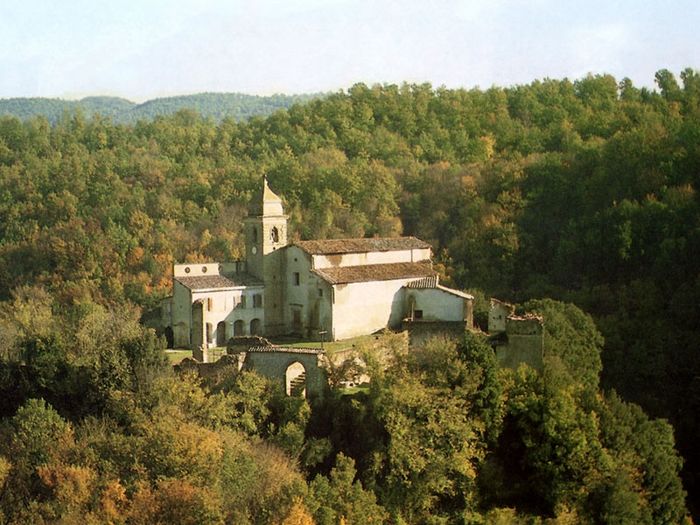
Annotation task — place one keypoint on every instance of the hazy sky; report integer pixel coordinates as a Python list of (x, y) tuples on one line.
[(141, 49)]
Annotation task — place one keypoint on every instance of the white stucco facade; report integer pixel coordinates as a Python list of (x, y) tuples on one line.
[(437, 304), (377, 257), (367, 307), (227, 308)]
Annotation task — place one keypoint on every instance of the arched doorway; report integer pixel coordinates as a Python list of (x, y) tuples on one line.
[(169, 337), (255, 327), (221, 334), (411, 307), (238, 327), (295, 380)]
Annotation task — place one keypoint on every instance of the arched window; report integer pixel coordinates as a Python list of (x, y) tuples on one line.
[(238, 327), (255, 327), (221, 334), (210, 333), (295, 380), (254, 234), (274, 234)]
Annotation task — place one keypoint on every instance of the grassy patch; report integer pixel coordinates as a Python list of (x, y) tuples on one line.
[(351, 390), (175, 356)]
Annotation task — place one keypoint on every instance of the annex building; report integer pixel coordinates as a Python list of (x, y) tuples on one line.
[(332, 289)]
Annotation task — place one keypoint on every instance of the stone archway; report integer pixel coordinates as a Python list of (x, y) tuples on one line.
[(255, 327), (238, 328), (295, 380)]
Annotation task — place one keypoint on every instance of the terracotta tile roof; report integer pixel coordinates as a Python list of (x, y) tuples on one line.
[(452, 291), (431, 283), (377, 244), (375, 272), (217, 282), (425, 282)]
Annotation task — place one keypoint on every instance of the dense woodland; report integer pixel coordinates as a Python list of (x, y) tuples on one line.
[(551, 194)]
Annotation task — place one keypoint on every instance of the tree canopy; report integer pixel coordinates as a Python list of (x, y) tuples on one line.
[(583, 191)]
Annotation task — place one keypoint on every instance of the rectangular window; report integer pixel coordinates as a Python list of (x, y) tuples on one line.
[(296, 279), (257, 301), (320, 292), (418, 314), (210, 304), (243, 301)]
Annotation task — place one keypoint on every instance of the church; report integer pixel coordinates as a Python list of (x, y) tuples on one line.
[(318, 290)]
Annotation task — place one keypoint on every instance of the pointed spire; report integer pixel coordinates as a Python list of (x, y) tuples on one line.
[(266, 202)]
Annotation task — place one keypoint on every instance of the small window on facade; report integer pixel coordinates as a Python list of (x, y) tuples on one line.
[(255, 234), (274, 234), (204, 269), (257, 301), (242, 301), (210, 304), (320, 292), (418, 314), (187, 269), (296, 279)]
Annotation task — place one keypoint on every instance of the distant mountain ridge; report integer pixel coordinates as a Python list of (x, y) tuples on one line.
[(210, 105)]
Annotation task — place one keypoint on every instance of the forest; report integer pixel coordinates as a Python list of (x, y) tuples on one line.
[(575, 199), (217, 106)]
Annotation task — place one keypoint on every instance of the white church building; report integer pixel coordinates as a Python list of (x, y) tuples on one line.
[(335, 289)]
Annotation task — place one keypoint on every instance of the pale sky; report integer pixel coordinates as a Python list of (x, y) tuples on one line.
[(140, 49)]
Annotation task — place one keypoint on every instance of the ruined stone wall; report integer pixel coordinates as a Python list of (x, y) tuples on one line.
[(498, 313), (268, 361), (523, 342)]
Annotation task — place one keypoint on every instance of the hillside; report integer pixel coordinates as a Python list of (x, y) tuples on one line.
[(580, 191), (209, 105)]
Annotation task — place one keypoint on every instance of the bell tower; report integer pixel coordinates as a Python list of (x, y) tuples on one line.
[(265, 229)]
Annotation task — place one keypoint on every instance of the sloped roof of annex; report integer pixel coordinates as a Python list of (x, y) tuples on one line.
[(375, 272)]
